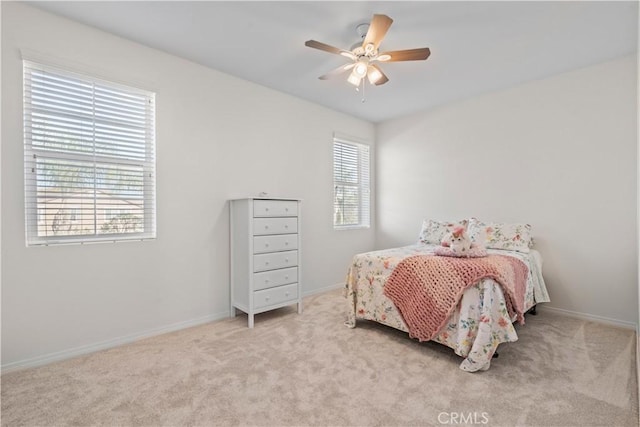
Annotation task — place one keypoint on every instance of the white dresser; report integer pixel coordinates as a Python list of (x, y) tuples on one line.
[(265, 255)]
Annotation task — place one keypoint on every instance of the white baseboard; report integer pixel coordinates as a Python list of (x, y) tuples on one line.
[(103, 345), (591, 317), (323, 290)]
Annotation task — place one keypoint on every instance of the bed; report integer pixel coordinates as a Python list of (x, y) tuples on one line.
[(480, 321)]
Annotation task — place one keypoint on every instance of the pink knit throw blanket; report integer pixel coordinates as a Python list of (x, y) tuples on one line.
[(426, 289)]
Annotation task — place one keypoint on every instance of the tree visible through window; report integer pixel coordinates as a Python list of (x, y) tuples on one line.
[(89, 149), (351, 184)]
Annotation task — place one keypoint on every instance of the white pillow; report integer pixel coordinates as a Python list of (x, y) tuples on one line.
[(493, 235), (433, 231)]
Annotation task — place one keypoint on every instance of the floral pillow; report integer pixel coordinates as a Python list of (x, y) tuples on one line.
[(433, 231), (513, 237)]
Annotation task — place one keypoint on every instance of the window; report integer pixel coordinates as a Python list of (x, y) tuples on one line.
[(89, 148), (351, 184)]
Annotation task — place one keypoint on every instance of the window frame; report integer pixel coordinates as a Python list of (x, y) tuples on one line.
[(145, 163), (363, 184)]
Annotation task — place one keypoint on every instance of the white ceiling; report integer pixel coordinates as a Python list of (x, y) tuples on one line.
[(476, 46)]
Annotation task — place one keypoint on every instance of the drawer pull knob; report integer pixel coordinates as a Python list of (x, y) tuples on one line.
[(286, 260), (286, 226), (286, 277), (266, 209), (286, 243), (266, 245), (267, 299), (266, 227), (286, 294), (286, 209), (266, 280), (266, 263)]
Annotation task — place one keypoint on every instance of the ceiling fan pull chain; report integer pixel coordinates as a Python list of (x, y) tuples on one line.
[(363, 95)]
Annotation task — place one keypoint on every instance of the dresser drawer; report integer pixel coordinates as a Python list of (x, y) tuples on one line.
[(264, 226), (274, 296), (271, 279), (273, 261), (275, 243), (262, 208)]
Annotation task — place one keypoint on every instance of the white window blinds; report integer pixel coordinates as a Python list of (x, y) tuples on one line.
[(89, 158), (351, 179)]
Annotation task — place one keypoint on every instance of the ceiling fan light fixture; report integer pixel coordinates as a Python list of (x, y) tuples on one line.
[(360, 69), (354, 78), (374, 75)]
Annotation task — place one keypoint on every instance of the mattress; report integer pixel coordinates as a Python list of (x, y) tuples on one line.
[(477, 326)]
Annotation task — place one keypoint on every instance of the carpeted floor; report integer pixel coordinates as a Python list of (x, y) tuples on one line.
[(309, 369)]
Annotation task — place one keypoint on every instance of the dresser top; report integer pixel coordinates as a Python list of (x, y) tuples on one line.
[(269, 198)]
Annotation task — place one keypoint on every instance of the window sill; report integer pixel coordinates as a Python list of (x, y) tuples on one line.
[(350, 227)]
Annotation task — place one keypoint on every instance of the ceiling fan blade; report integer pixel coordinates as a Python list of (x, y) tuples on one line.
[(328, 48), (337, 71), (374, 77), (377, 30), (406, 55)]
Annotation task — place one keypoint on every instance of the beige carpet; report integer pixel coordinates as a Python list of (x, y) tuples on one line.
[(309, 369)]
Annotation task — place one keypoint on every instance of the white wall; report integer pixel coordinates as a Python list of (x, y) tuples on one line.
[(558, 153), (218, 137)]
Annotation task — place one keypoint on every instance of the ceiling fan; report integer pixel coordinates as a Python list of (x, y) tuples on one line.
[(364, 56)]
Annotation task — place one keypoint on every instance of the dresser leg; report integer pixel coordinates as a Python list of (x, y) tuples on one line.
[(234, 312), (250, 316), (300, 307)]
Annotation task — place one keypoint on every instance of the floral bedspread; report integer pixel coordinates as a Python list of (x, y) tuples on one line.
[(473, 331)]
